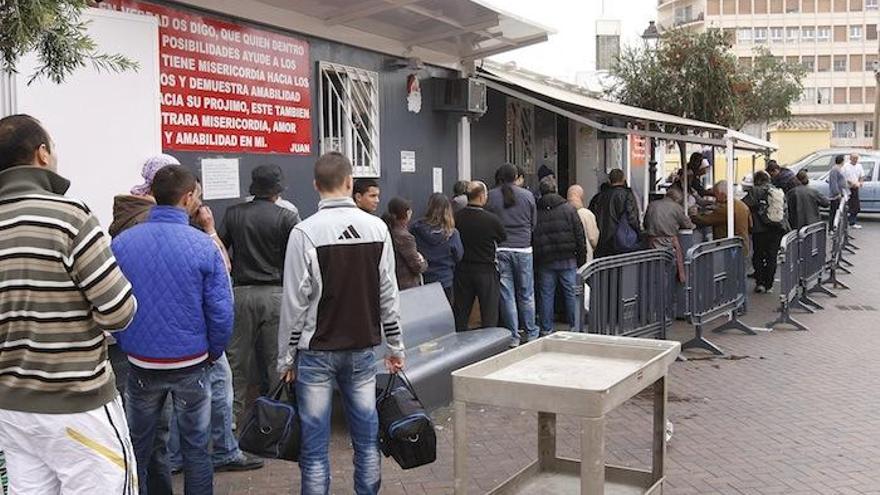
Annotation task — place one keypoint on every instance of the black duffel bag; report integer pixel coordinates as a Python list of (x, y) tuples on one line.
[(272, 429), (406, 432)]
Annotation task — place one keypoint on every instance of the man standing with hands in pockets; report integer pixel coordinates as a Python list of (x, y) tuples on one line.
[(340, 295)]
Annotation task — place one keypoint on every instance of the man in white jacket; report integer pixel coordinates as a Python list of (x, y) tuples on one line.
[(340, 296)]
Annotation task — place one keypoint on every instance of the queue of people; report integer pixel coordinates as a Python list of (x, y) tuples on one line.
[(202, 316)]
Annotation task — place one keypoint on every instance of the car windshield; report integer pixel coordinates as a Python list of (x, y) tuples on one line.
[(794, 162), (817, 167)]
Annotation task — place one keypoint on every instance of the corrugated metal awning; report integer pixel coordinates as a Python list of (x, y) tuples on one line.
[(440, 32), (589, 111)]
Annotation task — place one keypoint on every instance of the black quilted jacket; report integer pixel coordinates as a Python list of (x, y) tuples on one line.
[(559, 234)]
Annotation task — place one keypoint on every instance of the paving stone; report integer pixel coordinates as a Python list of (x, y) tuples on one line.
[(799, 413)]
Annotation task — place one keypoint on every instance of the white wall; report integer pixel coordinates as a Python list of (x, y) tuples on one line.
[(104, 125)]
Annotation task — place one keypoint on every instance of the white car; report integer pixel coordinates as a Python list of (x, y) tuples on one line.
[(818, 165)]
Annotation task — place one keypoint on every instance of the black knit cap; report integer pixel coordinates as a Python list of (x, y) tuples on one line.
[(267, 180)]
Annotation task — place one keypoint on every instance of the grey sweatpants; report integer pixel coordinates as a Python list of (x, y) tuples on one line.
[(253, 348)]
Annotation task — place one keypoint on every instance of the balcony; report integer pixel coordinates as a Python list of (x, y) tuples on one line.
[(687, 21)]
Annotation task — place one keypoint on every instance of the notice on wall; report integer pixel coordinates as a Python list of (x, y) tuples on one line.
[(407, 161), (228, 87), (220, 178), (438, 180)]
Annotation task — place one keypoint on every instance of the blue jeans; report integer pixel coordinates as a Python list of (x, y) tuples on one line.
[(355, 374), (224, 446), (548, 280), (189, 390), (517, 293)]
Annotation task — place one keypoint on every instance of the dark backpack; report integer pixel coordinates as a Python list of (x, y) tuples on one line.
[(626, 238), (406, 432)]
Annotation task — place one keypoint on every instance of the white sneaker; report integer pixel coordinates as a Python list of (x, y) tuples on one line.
[(856, 226)]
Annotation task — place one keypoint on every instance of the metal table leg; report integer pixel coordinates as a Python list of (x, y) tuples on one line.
[(593, 456), (659, 450), (461, 443), (546, 440)]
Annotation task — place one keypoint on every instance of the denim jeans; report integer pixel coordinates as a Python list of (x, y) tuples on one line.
[(145, 400), (224, 446), (548, 281), (517, 293), (355, 373)]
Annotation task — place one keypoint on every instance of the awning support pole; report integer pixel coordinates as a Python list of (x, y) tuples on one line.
[(730, 198)]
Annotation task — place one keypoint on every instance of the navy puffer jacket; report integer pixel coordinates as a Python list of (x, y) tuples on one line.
[(559, 234)]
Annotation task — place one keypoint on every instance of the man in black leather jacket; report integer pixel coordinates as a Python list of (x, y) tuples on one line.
[(615, 203), (256, 233)]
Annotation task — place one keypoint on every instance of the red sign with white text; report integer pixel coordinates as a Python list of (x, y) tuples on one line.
[(229, 88)]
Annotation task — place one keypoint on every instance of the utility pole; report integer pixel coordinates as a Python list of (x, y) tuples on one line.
[(876, 106)]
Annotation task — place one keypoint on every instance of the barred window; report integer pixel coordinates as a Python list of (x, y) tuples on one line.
[(349, 116), (521, 134)]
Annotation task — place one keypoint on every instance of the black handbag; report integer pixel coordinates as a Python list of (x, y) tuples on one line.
[(406, 432), (272, 429)]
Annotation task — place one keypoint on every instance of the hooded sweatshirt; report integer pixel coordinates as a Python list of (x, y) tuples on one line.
[(128, 211), (441, 252)]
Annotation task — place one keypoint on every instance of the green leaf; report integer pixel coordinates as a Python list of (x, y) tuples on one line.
[(56, 32)]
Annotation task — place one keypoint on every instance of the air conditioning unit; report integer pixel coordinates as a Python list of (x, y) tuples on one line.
[(467, 96)]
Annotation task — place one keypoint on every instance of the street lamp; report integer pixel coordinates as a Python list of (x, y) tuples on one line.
[(651, 36)]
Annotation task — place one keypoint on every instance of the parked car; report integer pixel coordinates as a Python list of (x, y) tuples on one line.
[(818, 166)]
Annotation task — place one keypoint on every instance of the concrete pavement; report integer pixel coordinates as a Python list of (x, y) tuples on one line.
[(787, 412)]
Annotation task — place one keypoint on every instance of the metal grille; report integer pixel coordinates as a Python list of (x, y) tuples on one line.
[(349, 115), (521, 134)]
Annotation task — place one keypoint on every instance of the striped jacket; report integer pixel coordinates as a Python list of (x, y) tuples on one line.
[(340, 287), (60, 289)]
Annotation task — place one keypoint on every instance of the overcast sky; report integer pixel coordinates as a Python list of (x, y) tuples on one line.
[(573, 48)]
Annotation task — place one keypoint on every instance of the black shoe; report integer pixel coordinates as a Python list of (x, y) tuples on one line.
[(246, 462), (760, 289)]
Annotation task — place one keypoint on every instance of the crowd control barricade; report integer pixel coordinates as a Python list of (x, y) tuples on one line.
[(814, 263), (627, 295), (845, 249), (838, 238), (716, 287), (789, 271)]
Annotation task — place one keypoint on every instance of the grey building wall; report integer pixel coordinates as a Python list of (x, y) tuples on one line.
[(432, 135), (488, 138), (489, 141)]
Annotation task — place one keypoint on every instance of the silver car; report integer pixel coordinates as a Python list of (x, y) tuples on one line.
[(818, 166)]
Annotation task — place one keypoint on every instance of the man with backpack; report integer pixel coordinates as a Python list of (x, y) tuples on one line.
[(618, 216), (770, 223)]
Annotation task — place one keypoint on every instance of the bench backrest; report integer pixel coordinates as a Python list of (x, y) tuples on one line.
[(425, 314)]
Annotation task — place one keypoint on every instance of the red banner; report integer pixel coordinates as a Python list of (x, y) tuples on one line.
[(229, 88), (638, 150)]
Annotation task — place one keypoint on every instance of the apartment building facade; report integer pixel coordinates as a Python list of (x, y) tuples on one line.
[(835, 40)]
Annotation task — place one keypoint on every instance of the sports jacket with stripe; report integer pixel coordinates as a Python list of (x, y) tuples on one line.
[(60, 288), (340, 287)]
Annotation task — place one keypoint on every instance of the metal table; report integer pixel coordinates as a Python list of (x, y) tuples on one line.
[(576, 374)]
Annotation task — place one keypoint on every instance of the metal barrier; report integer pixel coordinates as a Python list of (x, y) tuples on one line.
[(843, 263), (789, 271), (716, 287), (838, 239), (630, 295), (814, 262)]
